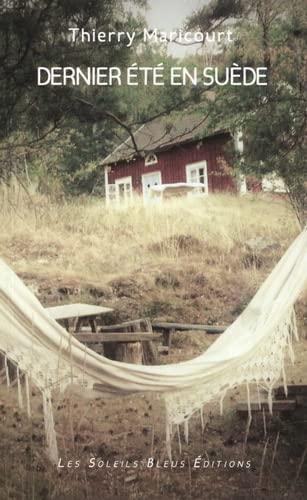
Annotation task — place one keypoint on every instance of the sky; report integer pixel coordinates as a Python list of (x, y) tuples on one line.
[(167, 15)]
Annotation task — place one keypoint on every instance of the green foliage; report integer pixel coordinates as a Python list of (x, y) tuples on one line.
[(217, 11), (33, 34), (144, 101), (272, 118), (51, 128)]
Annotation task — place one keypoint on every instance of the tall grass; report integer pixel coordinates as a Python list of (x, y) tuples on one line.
[(84, 238)]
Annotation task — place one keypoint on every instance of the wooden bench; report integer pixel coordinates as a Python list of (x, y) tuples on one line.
[(121, 337), (125, 346), (278, 406), (147, 350), (168, 329), (298, 392), (134, 349), (158, 325)]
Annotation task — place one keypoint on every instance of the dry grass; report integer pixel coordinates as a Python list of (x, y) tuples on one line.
[(176, 261), (87, 240)]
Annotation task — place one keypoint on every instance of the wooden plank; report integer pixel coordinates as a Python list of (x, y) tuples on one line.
[(158, 325), (282, 405), (149, 349), (122, 326), (167, 336), (293, 390), (70, 311), (93, 325), (92, 338)]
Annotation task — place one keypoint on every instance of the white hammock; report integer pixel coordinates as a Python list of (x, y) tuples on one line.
[(251, 350)]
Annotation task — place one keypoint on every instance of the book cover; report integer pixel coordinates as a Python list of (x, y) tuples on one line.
[(153, 249)]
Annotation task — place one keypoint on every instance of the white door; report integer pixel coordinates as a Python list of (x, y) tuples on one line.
[(197, 173), (148, 180)]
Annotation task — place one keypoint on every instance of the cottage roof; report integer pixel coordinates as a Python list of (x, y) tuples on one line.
[(161, 134)]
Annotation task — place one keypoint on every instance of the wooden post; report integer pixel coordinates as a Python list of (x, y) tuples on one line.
[(167, 337), (129, 353), (150, 350)]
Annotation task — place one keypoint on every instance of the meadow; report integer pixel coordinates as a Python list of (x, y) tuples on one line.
[(176, 260), (84, 239)]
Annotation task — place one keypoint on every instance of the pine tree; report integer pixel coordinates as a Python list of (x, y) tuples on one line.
[(270, 33)]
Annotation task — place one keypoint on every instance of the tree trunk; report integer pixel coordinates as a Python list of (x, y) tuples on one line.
[(129, 353), (145, 352)]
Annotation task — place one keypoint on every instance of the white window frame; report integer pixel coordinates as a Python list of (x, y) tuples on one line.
[(151, 159), (144, 176), (124, 180), (199, 164)]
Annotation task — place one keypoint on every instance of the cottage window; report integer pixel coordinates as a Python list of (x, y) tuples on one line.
[(124, 188), (196, 173), (151, 159)]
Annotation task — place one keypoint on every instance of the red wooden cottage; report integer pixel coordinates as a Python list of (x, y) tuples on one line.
[(168, 153)]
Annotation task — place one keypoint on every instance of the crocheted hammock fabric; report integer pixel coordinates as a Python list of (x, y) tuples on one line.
[(251, 350)]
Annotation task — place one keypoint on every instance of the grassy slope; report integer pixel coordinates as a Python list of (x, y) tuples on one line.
[(90, 242), (180, 260)]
